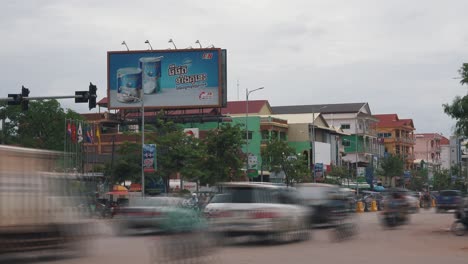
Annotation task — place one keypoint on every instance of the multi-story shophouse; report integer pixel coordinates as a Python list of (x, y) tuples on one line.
[(398, 136), (361, 147), (428, 150)]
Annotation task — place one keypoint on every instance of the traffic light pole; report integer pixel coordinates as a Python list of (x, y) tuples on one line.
[(44, 97), (80, 97)]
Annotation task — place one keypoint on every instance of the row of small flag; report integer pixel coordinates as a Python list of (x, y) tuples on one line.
[(79, 132)]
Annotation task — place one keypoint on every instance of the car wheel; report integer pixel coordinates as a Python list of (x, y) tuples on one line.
[(458, 228)]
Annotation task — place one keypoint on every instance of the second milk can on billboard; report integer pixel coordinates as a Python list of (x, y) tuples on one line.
[(128, 84), (151, 74)]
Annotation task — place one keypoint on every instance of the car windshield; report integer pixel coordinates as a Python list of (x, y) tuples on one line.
[(314, 193), (449, 193), (245, 195)]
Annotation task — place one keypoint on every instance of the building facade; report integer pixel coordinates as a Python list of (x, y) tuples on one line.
[(398, 136)]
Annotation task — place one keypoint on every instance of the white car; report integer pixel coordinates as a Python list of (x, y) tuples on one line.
[(413, 203), (262, 210)]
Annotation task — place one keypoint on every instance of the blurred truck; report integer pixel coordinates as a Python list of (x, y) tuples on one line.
[(38, 211)]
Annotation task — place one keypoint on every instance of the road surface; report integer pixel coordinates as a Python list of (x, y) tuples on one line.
[(425, 240)]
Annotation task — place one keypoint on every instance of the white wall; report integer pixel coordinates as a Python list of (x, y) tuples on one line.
[(323, 153), (445, 156)]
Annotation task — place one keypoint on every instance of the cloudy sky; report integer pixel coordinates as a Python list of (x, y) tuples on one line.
[(400, 56)]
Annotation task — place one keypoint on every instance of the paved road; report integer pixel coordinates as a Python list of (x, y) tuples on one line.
[(425, 240)]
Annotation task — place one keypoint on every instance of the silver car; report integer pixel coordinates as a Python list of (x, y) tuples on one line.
[(261, 210)]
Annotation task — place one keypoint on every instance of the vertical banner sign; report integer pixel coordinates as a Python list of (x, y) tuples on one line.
[(318, 170), (149, 155)]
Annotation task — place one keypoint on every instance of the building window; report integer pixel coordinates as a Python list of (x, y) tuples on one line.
[(385, 135), (249, 135), (345, 126), (346, 143)]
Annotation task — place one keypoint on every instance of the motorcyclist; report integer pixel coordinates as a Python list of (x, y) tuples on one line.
[(193, 200), (426, 199), (397, 203)]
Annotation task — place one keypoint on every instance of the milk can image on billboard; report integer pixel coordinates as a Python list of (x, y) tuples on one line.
[(128, 84), (151, 74), (165, 79)]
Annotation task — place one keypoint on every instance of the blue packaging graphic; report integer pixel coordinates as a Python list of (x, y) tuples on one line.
[(128, 84), (151, 74)]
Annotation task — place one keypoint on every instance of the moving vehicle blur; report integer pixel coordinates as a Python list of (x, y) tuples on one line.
[(448, 200), (460, 226), (38, 208), (396, 208), (262, 210), (157, 215), (329, 204)]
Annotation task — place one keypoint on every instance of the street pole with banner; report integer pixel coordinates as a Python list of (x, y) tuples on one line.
[(247, 93)]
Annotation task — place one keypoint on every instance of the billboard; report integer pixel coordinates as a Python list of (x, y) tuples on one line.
[(166, 79), (149, 153)]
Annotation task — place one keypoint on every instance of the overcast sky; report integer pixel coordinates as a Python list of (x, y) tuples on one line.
[(399, 56)]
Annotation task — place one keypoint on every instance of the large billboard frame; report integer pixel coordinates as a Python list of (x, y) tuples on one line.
[(221, 79)]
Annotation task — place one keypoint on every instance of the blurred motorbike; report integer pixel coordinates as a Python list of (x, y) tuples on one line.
[(395, 211), (460, 226)]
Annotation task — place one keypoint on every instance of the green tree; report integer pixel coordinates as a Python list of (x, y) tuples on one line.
[(42, 126), (442, 180), (279, 156), (339, 172), (418, 179), (224, 159), (391, 166), (458, 109), (127, 167)]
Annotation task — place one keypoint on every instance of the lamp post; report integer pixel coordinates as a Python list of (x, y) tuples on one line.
[(142, 145), (149, 44), (313, 141), (125, 44), (247, 93)]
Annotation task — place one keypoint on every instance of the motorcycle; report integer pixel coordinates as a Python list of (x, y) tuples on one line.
[(395, 214), (460, 226)]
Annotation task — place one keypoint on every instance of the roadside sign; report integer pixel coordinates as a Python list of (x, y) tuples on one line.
[(252, 160), (252, 173)]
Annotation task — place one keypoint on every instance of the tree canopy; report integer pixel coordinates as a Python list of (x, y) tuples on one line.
[(42, 126), (458, 109)]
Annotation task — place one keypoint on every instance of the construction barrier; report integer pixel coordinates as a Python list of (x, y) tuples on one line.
[(374, 206), (359, 207)]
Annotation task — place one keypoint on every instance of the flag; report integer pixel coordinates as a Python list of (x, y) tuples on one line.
[(73, 133), (80, 133), (69, 130), (92, 133), (98, 135), (88, 134)]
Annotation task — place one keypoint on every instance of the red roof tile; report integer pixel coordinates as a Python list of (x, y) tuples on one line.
[(103, 102), (443, 140), (392, 120), (240, 107)]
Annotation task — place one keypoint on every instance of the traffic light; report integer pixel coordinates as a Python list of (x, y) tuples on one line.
[(24, 98), (92, 96), (16, 99), (82, 97)]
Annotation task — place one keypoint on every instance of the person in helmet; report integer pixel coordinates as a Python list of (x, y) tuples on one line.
[(194, 200)]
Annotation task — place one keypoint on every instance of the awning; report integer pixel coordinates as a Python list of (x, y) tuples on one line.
[(119, 188), (118, 193), (135, 187)]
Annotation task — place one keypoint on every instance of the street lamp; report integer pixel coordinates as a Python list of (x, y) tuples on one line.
[(247, 93), (125, 44), (149, 44), (172, 41), (313, 141)]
